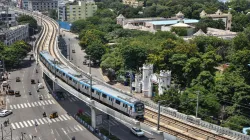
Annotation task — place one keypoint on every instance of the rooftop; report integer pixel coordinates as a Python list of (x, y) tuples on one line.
[(171, 22)]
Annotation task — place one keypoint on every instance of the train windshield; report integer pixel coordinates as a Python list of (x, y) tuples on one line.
[(139, 107)]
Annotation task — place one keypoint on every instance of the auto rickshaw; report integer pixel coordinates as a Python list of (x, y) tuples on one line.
[(53, 115)]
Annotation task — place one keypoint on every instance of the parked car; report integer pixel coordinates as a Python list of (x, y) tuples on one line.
[(17, 93), (18, 79), (73, 51), (137, 131), (4, 113)]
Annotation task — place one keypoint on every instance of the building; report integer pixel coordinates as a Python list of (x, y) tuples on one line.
[(76, 10), (133, 3), (225, 17), (13, 34), (9, 18), (42, 5), (155, 23)]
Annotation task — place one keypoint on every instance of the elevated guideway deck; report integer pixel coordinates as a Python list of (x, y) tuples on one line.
[(184, 119)]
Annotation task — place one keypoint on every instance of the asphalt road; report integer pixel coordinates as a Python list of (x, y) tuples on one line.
[(118, 129), (28, 108)]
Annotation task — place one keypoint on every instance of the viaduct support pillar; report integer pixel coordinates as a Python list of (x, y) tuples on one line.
[(93, 117)]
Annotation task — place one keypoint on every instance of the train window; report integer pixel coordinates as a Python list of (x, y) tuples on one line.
[(98, 93), (104, 95), (70, 78), (118, 102), (126, 106), (92, 90), (56, 70), (63, 74), (110, 99)]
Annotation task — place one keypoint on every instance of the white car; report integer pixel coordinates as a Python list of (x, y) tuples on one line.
[(137, 131), (4, 113), (40, 86)]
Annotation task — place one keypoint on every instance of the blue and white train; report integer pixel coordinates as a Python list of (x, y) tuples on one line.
[(108, 96)]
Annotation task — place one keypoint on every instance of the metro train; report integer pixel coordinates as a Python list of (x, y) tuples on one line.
[(123, 103)]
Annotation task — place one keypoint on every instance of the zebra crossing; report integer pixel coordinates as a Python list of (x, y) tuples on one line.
[(32, 104), (72, 129), (70, 97), (39, 121)]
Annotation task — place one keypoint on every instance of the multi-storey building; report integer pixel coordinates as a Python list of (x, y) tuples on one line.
[(8, 17), (73, 11), (225, 17), (13, 34), (42, 5)]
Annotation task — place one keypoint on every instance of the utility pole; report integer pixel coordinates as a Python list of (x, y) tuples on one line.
[(159, 110), (89, 65), (131, 75), (22, 133), (69, 53), (2, 130), (197, 105)]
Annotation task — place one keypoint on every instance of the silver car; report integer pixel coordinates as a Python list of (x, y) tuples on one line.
[(137, 131), (4, 113)]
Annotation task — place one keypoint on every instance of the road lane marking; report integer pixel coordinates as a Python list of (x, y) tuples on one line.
[(57, 133), (49, 102), (76, 128), (13, 126), (52, 131), (64, 131), (49, 120), (64, 117), (17, 125), (18, 106), (80, 127), (14, 106), (60, 118), (29, 104), (32, 105), (21, 124), (25, 124), (45, 120), (22, 105), (33, 122), (39, 103), (70, 100), (42, 103), (72, 129), (41, 121), (35, 104), (48, 96), (46, 102), (25, 105), (68, 130), (67, 117), (11, 107), (37, 122), (29, 123), (53, 120), (53, 102)]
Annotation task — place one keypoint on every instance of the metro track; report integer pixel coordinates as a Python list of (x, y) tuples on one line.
[(169, 125)]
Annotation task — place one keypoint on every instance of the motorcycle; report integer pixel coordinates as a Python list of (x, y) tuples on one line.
[(44, 114), (29, 93)]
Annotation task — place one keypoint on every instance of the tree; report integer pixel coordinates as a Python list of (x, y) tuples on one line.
[(89, 36), (134, 56), (24, 19), (179, 31), (209, 22), (192, 68), (53, 14), (236, 122), (205, 79), (79, 25), (96, 50)]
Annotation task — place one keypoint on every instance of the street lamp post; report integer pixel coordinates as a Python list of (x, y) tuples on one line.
[(197, 104), (55, 66), (159, 110), (69, 53), (90, 87)]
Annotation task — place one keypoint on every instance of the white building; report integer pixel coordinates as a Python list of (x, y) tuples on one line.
[(42, 5), (13, 34), (62, 11)]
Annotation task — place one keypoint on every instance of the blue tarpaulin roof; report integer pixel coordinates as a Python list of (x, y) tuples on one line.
[(64, 25)]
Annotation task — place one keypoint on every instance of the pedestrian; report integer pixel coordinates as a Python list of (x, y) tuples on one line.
[(3, 89), (9, 87)]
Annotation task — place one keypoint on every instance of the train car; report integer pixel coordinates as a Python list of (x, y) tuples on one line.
[(108, 96)]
